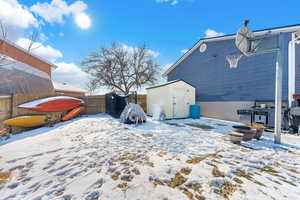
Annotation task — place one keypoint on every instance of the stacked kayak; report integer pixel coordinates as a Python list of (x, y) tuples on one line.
[(48, 105), (73, 113), (27, 121), (53, 104)]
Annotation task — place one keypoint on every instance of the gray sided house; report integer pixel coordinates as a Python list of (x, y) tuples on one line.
[(220, 90)]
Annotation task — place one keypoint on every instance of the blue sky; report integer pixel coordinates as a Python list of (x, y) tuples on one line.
[(168, 27)]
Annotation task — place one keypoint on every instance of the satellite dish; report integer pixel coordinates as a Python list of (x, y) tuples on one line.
[(244, 38), (297, 35), (203, 48)]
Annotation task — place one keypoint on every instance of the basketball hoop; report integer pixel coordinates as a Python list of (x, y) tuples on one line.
[(250, 44), (233, 60)]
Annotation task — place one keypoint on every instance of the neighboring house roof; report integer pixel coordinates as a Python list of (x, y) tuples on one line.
[(168, 83), (24, 50), (63, 87), (290, 28)]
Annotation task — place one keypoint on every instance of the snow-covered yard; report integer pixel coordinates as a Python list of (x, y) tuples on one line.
[(97, 157)]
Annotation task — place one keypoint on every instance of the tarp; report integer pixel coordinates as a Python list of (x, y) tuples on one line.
[(17, 77)]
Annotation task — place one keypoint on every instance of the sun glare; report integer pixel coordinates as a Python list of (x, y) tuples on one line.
[(83, 21)]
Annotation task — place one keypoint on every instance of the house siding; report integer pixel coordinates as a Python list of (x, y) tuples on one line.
[(254, 79)]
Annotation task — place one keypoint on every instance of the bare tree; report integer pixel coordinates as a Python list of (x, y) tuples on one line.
[(4, 38), (6, 61), (122, 69), (91, 87), (32, 41), (3, 31)]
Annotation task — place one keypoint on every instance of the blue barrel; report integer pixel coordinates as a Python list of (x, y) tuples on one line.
[(195, 111)]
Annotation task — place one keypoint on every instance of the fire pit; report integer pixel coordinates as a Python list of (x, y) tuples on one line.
[(259, 129), (248, 132), (235, 137)]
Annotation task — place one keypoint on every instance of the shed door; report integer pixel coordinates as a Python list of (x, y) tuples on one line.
[(181, 102)]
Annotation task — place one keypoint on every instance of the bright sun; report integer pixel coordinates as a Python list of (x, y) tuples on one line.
[(83, 21)]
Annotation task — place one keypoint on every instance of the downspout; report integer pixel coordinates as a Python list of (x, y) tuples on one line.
[(291, 69)]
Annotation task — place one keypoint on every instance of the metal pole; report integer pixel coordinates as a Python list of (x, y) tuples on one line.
[(278, 91), (291, 71)]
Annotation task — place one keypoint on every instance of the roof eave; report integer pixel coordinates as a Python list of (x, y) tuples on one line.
[(169, 83), (226, 37)]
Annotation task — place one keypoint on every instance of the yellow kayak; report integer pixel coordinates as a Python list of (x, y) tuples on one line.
[(26, 121)]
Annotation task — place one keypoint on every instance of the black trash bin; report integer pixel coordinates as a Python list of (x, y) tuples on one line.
[(115, 104)]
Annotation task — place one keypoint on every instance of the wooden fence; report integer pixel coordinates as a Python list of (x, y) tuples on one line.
[(93, 105), (5, 106), (141, 100)]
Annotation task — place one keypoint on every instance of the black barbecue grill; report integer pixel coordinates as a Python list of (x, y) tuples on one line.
[(294, 114), (257, 114)]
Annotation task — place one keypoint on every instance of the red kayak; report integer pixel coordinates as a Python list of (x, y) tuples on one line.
[(52, 104), (73, 113)]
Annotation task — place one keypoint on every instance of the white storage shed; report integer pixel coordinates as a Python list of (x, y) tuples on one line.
[(172, 99)]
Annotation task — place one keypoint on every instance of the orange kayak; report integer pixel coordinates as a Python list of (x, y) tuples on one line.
[(73, 113)]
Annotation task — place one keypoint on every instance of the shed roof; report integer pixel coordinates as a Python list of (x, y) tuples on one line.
[(168, 83), (63, 87), (289, 28)]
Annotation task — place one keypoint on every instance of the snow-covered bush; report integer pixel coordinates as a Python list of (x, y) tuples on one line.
[(133, 113)]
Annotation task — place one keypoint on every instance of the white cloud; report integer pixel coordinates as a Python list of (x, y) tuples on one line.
[(165, 67), (15, 14), (43, 37), (19, 20), (212, 33), (161, 1), (57, 9), (131, 49), (16, 18), (71, 74), (153, 53), (172, 2), (44, 51), (184, 51)]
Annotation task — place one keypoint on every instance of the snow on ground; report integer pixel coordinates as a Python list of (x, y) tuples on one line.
[(97, 157)]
